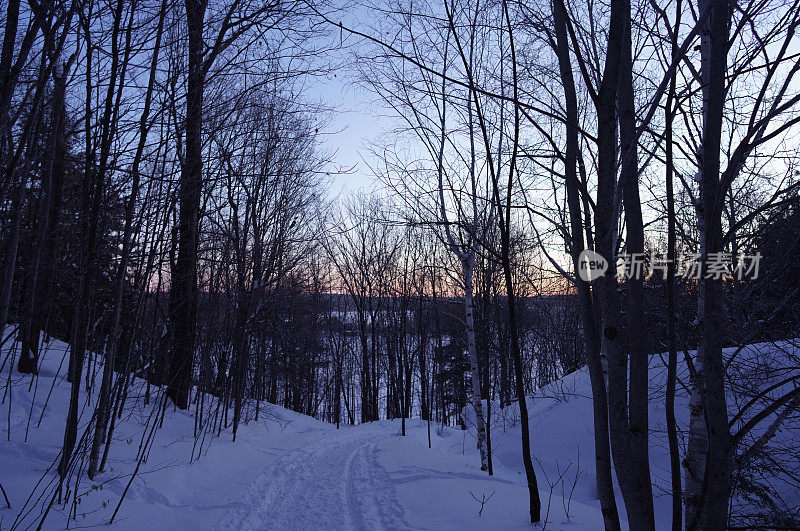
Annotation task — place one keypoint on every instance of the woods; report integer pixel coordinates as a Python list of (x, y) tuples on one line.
[(170, 213)]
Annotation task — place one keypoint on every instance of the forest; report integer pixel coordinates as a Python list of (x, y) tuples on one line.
[(570, 202)]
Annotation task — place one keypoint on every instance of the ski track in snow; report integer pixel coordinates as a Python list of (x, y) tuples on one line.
[(332, 482)]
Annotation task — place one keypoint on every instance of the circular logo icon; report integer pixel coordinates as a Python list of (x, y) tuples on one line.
[(591, 265)]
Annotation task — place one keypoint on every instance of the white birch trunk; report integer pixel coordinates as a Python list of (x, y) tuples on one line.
[(695, 462), (480, 425)]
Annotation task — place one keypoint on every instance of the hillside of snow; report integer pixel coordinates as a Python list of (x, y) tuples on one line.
[(285, 470), (290, 471)]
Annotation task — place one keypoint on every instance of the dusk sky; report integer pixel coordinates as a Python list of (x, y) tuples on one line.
[(356, 121), (358, 116)]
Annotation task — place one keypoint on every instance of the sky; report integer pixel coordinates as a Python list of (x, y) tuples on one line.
[(354, 123), (357, 118)]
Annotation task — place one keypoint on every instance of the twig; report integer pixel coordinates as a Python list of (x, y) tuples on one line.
[(8, 503), (482, 501)]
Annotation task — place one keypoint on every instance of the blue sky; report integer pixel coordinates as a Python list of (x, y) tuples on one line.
[(357, 118), (354, 124)]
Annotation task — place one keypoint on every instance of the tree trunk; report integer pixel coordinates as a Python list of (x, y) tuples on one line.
[(638, 418), (669, 287), (708, 468), (80, 313), (516, 355), (43, 252), (184, 275), (12, 247), (605, 482), (629, 463), (468, 266)]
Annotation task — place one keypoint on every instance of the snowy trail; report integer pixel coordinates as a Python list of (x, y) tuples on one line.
[(333, 482)]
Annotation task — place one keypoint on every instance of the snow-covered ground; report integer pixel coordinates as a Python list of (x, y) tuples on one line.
[(290, 471), (285, 471)]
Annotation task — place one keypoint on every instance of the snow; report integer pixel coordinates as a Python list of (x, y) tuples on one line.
[(290, 471), (285, 471), (332, 479)]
